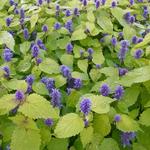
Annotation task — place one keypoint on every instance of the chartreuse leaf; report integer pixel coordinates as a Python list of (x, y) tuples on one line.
[(83, 65), (137, 75), (37, 106), (33, 20), (144, 117), (2, 3), (98, 57), (95, 74), (23, 139), (109, 144), (69, 125), (86, 135), (67, 60), (15, 84), (49, 66), (101, 124), (24, 47), (78, 35), (127, 124), (137, 146), (7, 38), (57, 144), (103, 21), (7, 103), (59, 80)]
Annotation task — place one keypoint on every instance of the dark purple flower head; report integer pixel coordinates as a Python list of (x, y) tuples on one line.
[(85, 2), (39, 2), (50, 84), (127, 17), (21, 21), (86, 123), (140, 1), (67, 13), (29, 89), (38, 61), (26, 33), (68, 25), (85, 106), (132, 19), (117, 118), (44, 80), (69, 48), (56, 98), (7, 55), (30, 79), (97, 4), (113, 4), (44, 28), (76, 12), (49, 122), (7, 71), (120, 34), (114, 41), (104, 89), (57, 26), (65, 70), (19, 95), (22, 13), (41, 44), (122, 53), (8, 21), (138, 53), (48, 1), (140, 40), (127, 137), (122, 71), (57, 7), (119, 91), (16, 11), (134, 39), (98, 66), (103, 2), (77, 83), (35, 50), (131, 2), (145, 11), (90, 51), (11, 2), (124, 43)]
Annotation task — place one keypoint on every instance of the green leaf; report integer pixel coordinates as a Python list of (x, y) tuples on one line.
[(59, 81), (144, 117), (101, 124), (24, 47), (98, 57), (86, 136), (78, 35), (2, 3), (7, 38), (103, 20), (57, 144), (127, 124), (90, 16), (23, 139), (83, 65), (33, 20), (37, 106), (137, 146), (67, 60), (7, 103), (95, 74), (49, 66), (109, 144), (69, 125)]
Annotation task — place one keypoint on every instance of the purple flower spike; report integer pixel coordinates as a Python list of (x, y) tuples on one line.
[(86, 123), (134, 39), (38, 61), (11, 2), (84, 2), (103, 2), (7, 71), (22, 13), (55, 98), (29, 79), (113, 4), (65, 70), (49, 122), (7, 55), (131, 2), (77, 83), (57, 26), (76, 12), (90, 51), (85, 106), (68, 25), (8, 21), (117, 118), (104, 89), (114, 41), (39, 2), (97, 4), (140, 40), (69, 48), (138, 53), (119, 91), (26, 33), (19, 95), (68, 13), (50, 84), (35, 50), (44, 80), (44, 28), (122, 71)]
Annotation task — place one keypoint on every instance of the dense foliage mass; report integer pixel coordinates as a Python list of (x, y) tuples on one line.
[(75, 75)]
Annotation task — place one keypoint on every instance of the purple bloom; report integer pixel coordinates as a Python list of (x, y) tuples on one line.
[(131, 2), (48, 1), (103, 2), (134, 39), (8, 21), (85, 106), (21, 21), (68, 25), (38, 61), (29, 89), (76, 12), (7, 71), (104, 89), (57, 7), (44, 28), (119, 91), (69, 91), (114, 41), (77, 83), (16, 11), (145, 12), (138, 53), (120, 35), (44, 80), (22, 13), (127, 17), (7, 55), (140, 1), (117, 118), (39, 2), (40, 44), (56, 98), (132, 19), (86, 123), (98, 66), (97, 4), (140, 40), (57, 26), (65, 71), (26, 33), (122, 71), (29, 79), (69, 48), (113, 4), (68, 13), (19, 95), (50, 84), (90, 51), (49, 122), (122, 53), (124, 43), (11, 2), (84, 2), (35, 50), (126, 138)]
